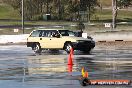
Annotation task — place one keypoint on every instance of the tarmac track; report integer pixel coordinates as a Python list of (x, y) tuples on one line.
[(20, 67)]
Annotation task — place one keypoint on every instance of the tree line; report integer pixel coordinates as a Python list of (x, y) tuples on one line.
[(59, 9)]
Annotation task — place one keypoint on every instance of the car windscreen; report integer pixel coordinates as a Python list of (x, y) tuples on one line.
[(35, 33), (66, 33)]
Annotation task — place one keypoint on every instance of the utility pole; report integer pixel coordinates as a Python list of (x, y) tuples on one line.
[(23, 16), (59, 9), (114, 13), (47, 2)]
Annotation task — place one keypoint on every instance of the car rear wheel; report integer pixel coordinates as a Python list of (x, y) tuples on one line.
[(37, 48), (68, 47)]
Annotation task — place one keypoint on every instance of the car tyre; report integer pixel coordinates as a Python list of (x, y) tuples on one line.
[(37, 48), (68, 47)]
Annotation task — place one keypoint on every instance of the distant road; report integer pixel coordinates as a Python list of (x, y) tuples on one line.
[(26, 25), (18, 26), (31, 26)]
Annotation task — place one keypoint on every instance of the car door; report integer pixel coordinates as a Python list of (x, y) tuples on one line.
[(49, 41), (34, 36), (56, 42), (44, 39)]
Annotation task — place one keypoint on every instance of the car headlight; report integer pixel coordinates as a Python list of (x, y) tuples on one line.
[(79, 41), (93, 42)]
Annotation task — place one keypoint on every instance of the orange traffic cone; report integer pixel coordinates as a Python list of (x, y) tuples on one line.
[(86, 75), (69, 68), (70, 58)]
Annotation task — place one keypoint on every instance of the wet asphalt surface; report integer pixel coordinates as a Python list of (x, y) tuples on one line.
[(21, 68)]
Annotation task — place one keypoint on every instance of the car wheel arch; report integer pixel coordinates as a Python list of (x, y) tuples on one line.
[(34, 43), (67, 42)]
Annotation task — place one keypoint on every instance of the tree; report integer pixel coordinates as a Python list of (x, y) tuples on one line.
[(60, 9), (124, 3), (73, 9), (114, 13), (14, 3), (59, 5), (88, 6), (120, 4)]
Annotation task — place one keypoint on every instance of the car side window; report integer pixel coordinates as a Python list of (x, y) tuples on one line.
[(35, 33), (50, 33), (43, 34)]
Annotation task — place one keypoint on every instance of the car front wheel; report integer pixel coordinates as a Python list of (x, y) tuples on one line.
[(68, 47)]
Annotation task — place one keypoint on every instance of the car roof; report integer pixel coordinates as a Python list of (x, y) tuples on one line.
[(49, 29)]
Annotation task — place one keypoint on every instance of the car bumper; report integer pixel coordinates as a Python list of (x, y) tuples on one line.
[(83, 45), (29, 44)]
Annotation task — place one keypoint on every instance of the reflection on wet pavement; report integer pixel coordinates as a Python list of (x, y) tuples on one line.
[(50, 70)]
